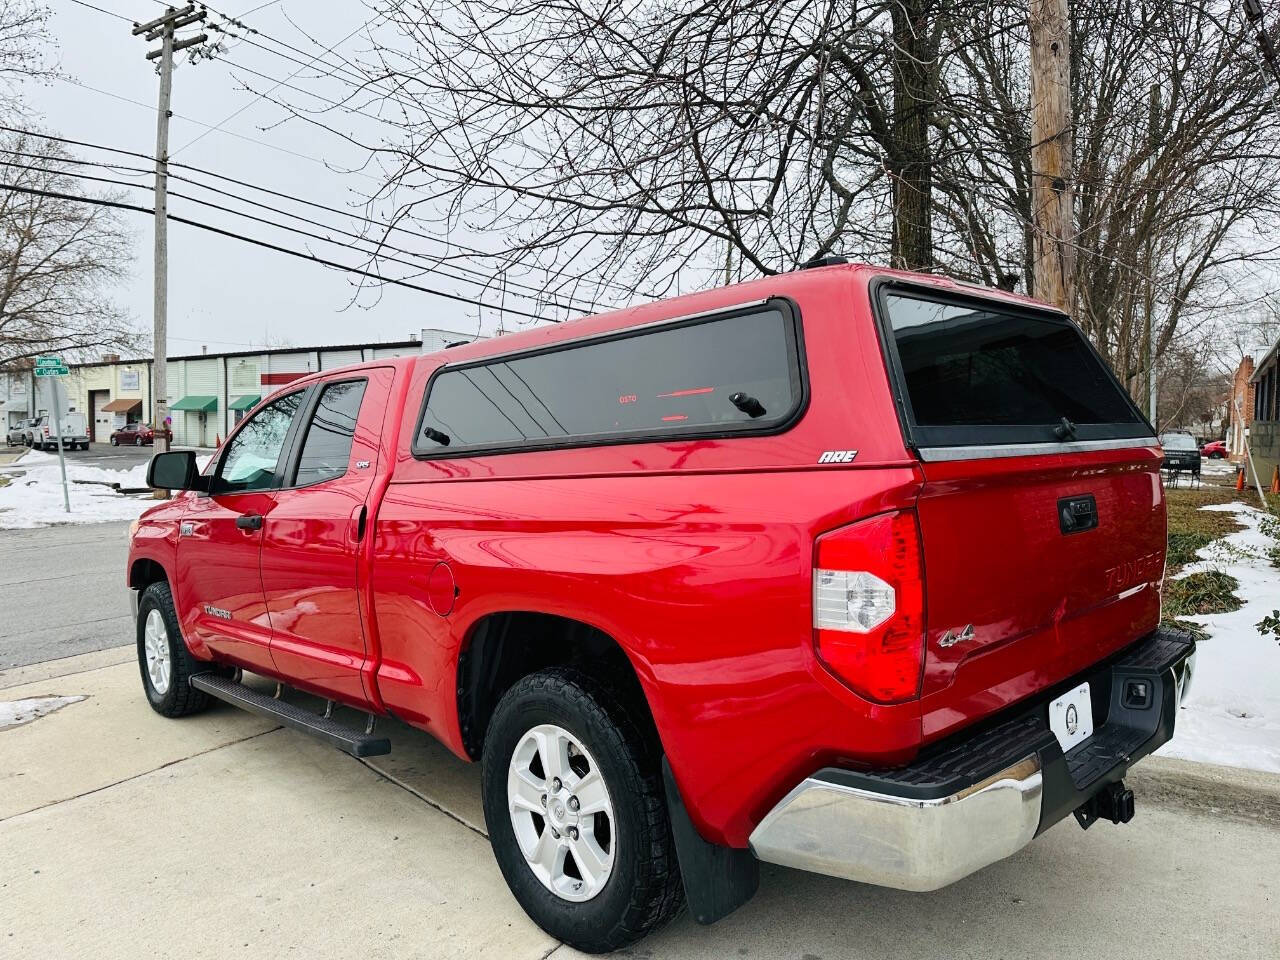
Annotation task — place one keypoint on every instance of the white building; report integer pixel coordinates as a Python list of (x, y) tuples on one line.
[(208, 392)]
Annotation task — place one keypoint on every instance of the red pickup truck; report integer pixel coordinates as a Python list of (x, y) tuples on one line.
[(848, 570)]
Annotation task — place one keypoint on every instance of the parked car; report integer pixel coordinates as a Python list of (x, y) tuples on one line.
[(1181, 453), (133, 435), (74, 432), (19, 434), (1214, 450), (824, 570)]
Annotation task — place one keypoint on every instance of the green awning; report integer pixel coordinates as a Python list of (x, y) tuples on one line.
[(244, 403), (197, 404)]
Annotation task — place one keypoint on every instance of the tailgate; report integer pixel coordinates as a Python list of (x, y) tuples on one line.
[(1042, 515), (1019, 597)]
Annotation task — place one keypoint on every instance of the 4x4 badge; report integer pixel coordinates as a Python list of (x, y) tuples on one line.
[(951, 638), (837, 456)]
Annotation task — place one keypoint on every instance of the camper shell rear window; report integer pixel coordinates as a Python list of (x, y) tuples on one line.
[(975, 372)]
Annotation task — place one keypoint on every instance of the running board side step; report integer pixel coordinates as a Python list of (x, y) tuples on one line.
[(322, 728)]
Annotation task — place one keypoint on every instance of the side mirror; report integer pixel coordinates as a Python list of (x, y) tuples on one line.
[(175, 471)]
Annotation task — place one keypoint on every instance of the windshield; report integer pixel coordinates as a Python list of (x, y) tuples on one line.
[(1178, 441)]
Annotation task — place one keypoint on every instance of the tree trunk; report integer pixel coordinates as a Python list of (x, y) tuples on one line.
[(910, 160)]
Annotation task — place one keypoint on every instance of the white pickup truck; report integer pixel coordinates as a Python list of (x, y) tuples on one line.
[(74, 432)]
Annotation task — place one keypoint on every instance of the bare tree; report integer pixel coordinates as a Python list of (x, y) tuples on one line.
[(24, 45), (59, 259), (625, 146), (639, 148)]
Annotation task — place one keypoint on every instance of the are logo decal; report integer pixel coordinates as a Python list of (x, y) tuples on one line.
[(837, 456), (217, 612)]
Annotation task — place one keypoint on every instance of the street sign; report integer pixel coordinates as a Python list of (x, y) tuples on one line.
[(51, 367)]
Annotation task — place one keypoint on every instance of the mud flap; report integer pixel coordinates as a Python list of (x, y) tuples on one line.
[(717, 880)]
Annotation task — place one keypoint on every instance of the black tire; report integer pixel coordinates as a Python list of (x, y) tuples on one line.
[(115, 442), (137, 441), (643, 891), (179, 698)]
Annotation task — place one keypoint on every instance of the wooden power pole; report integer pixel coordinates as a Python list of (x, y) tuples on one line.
[(163, 28), (1051, 175)]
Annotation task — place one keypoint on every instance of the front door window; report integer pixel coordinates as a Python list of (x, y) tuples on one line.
[(253, 456)]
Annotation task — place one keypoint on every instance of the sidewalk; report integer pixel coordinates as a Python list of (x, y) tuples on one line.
[(122, 832)]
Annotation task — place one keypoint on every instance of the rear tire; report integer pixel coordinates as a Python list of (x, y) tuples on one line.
[(137, 441), (163, 658), (640, 887)]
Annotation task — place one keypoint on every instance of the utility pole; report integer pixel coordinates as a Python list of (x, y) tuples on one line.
[(163, 28), (1153, 143), (1051, 136)]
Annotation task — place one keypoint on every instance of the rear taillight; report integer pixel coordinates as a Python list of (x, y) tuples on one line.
[(868, 606)]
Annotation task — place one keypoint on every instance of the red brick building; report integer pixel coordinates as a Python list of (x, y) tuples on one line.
[(1240, 409)]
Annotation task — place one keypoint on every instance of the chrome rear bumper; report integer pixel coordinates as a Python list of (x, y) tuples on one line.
[(893, 841), (974, 800)]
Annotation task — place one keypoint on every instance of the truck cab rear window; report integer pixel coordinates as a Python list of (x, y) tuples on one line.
[(731, 374), (978, 373)]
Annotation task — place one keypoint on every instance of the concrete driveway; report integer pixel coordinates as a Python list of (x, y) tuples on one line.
[(123, 834)]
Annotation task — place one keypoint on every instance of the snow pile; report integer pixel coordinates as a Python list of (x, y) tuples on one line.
[(1217, 468), (33, 496), (1232, 715), (14, 713)]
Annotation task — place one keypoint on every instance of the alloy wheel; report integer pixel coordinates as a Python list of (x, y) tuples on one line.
[(561, 813), (155, 645)]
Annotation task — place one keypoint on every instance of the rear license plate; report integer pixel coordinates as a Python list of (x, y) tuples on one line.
[(1071, 717)]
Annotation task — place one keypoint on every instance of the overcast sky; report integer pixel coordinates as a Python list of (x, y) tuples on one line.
[(223, 293)]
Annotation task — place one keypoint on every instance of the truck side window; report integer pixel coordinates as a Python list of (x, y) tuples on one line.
[(253, 454), (719, 376), (326, 452)]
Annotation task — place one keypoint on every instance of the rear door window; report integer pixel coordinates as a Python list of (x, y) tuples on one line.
[(326, 451), (980, 373), (732, 374)]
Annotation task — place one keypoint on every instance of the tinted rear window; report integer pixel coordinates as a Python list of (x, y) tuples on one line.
[(975, 373), (650, 384)]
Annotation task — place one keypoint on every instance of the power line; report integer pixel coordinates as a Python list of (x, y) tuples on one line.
[(421, 267), (309, 203), (250, 103), (136, 208)]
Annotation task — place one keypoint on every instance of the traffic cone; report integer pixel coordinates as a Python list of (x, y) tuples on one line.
[(1240, 478), (1275, 480), (217, 439)]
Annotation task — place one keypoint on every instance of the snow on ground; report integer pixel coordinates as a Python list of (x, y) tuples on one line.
[(1217, 468), (33, 497), (14, 713), (1232, 715)]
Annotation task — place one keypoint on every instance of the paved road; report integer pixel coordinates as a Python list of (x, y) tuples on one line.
[(112, 458), (61, 590), (124, 834)]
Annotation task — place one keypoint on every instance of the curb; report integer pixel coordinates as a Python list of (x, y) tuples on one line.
[(1247, 796)]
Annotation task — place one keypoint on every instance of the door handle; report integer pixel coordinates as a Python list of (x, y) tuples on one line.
[(250, 521)]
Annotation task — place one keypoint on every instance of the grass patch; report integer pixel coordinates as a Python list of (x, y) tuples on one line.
[(1187, 521), (4, 480), (1210, 591)]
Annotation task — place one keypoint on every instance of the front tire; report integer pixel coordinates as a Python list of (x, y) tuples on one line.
[(163, 658), (576, 811)]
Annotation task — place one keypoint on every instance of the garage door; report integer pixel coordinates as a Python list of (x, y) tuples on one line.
[(101, 417)]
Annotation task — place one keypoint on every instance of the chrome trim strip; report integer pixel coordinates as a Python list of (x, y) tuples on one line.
[(893, 841), (601, 335), (993, 451)]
